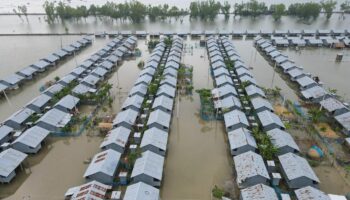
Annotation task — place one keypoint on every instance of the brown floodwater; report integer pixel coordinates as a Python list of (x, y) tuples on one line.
[(197, 155), (321, 62), (38, 46)]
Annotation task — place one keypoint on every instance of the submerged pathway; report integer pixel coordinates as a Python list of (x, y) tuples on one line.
[(197, 158)]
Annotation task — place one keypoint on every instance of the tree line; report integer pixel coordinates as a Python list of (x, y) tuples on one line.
[(136, 11)]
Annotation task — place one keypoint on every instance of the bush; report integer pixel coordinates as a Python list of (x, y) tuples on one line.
[(218, 192)]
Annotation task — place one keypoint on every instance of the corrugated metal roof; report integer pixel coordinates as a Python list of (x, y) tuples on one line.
[(252, 90), (159, 117), (76, 45), (266, 118), (246, 78), (82, 89), (223, 91), (140, 89), (227, 103), (218, 64), (295, 72), (27, 71), (314, 92), (91, 79), (152, 64), (135, 100), (259, 192), (155, 137), (332, 104), (21, 115), (51, 58), (146, 79), (68, 102), (91, 190), (141, 191), (241, 137), (118, 136), (249, 165), (87, 64), (148, 70), (288, 65), (3, 87), (243, 71), (305, 81), (223, 80), (56, 118), (67, 79), (13, 79), (112, 59), (295, 167), (235, 117), (220, 71), (163, 101), (10, 159), (150, 164), (68, 49), (78, 70), (259, 102), (40, 101), (166, 89), (54, 88), (5, 131), (107, 65), (310, 193), (169, 80), (172, 64), (41, 64), (104, 162), (99, 71), (129, 116), (280, 139), (170, 71), (60, 53), (94, 58), (32, 137), (344, 120)]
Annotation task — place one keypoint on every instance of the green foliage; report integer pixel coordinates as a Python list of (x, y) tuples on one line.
[(152, 44), (277, 11), (57, 78), (315, 114), (218, 192), (152, 88), (305, 10), (345, 7), (328, 7), (49, 8), (205, 9), (251, 8), (225, 9), (266, 148)]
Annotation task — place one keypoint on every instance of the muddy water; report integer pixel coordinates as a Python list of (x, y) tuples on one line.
[(61, 163), (321, 62), (29, 91), (261, 69), (37, 24), (197, 157)]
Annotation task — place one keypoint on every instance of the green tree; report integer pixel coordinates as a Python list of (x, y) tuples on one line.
[(277, 11), (328, 6), (225, 9), (49, 8), (315, 114)]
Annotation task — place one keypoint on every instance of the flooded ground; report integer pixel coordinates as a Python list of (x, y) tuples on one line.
[(261, 69), (37, 24), (198, 156), (64, 157), (321, 62), (30, 90)]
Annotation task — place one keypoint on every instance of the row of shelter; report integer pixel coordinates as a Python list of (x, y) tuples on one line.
[(311, 41), (146, 174), (20, 133), (234, 33), (16, 79), (253, 177), (310, 89)]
